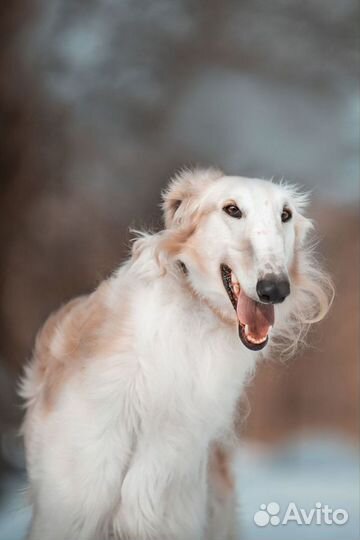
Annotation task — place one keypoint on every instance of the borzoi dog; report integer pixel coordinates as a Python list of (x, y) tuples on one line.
[(131, 394)]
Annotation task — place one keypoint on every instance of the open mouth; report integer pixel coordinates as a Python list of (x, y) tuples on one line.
[(254, 318)]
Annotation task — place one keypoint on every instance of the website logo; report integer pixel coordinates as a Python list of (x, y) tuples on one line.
[(270, 514)]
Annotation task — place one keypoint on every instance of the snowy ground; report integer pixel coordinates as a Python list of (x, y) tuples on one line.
[(304, 471)]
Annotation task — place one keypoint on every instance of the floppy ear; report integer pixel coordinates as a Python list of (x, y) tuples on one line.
[(303, 227), (300, 200), (182, 197)]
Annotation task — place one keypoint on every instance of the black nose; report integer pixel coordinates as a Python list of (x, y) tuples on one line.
[(273, 289)]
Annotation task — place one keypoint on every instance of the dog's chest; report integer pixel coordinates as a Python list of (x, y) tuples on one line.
[(198, 370), (190, 367)]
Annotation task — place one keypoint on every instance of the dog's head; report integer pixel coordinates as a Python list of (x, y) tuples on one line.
[(241, 243)]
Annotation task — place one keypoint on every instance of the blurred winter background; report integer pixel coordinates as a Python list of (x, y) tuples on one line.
[(100, 102)]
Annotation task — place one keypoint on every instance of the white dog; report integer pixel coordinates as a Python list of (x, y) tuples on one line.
[(132, 391)]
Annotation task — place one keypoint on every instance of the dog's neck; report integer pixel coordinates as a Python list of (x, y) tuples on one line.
[(147, 265), (183, 273)]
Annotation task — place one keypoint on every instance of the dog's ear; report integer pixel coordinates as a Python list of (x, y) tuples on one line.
[(181, 199)]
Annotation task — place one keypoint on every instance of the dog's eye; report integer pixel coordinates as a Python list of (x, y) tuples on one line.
[(286, 215), (233, 211)]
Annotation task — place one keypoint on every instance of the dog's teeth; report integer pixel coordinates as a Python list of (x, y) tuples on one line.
[(250, 338), (236, 288)]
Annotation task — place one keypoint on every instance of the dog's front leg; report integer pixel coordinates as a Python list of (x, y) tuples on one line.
[(222, 524), (163, 496)]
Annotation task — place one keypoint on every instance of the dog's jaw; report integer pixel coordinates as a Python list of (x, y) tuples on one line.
[(233, 290)]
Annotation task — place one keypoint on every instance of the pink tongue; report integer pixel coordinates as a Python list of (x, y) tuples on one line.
[(259, 317)]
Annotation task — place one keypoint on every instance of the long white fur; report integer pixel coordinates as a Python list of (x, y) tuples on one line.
[(123, 449)]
